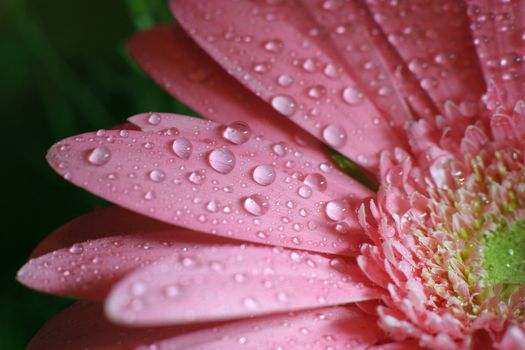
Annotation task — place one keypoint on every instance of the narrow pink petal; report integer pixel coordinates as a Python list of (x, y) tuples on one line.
[(83, 326), (498, 29), (88, 269), (183, 69), (225, 282), (442, 57), (102, 222), (257, 191), (323, 329), (277, 53), (374, 63)]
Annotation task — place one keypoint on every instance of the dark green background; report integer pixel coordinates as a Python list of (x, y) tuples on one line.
[(64, 69)]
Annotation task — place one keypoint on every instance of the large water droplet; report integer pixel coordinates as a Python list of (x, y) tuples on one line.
[(304, 191), (284, 80), (264, 174), (352, 95), (284, 104), (182, 148), (237, 132), (154, 119), (99, 155), (334, 135), (222, 160), (256, 204), (337, 210)]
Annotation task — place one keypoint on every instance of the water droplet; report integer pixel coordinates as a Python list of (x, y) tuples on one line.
[(334, 135), (150, 195), (76, 249), (197, 177), (316, 181), (237, 132), (337, 210), (279, 149), (154, 119), (316, 92), (352, 95), (284, 104), (304, 191), (330, 71), (182, 148), (256, 204), (213, 206), (222, 160), (250, 303), (274, 45), (285, 80), (157, 175), (99, 155), (264, 174)]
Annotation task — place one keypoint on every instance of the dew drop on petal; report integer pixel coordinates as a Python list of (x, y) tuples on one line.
[(99, 155), (334, 135), (264, 174), (304, 191), (182, 148), (222, 160), (274, 45), (284, 80), (316, 181), (337, 210), (256, 204), (352, 95), (284, 104), (196, 177), (157, 175), (237, 132), (154, 119)]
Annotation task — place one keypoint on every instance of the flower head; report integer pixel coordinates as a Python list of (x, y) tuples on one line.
[(235, 221)]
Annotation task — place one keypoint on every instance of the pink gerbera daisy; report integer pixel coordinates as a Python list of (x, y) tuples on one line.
[(240, 232)]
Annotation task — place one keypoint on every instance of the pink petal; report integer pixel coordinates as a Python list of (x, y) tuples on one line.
[(102, 222), (142, 172), (442, 57), (368, 56), (342, 327), (84, 326), (498, 30), (335, 328), (225, 282), (176, 63), (272, 51), (88, 269)]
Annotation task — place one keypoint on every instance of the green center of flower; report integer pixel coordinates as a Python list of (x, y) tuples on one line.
[(504, 254)]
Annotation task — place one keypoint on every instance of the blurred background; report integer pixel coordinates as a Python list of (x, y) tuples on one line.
[(64, 70)]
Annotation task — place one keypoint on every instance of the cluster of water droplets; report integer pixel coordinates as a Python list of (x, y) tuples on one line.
[(229, 150)]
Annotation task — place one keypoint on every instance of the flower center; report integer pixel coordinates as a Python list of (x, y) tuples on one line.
[(504, 254)]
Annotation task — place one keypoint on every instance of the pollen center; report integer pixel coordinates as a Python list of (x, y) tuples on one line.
[(504, 254)]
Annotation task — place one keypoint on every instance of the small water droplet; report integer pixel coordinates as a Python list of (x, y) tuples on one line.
[(250, 303), (182, 148), (76, 249), (154, 119), (279, 149), (284, 104), (316, 92), (264, 174), (197, 177), (304, 191), (99, 155), (285, 80), (222, 160), (316, 181), (274, 45), (237, 132), (256, 204), (157, 175)]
